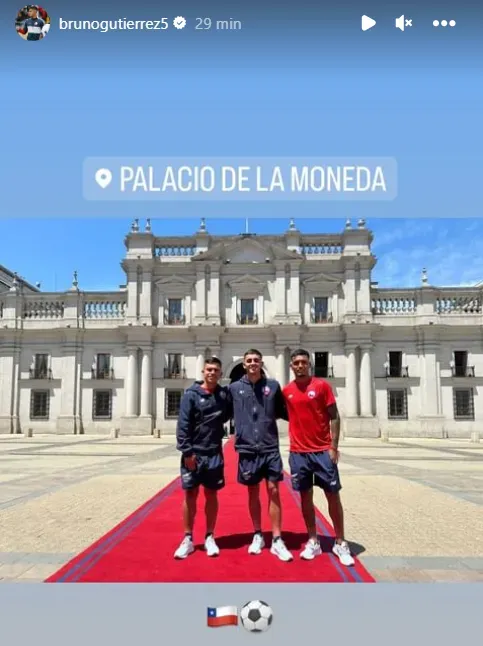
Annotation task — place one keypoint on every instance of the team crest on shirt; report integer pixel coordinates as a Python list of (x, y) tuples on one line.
[(266, 390), (311, 394)]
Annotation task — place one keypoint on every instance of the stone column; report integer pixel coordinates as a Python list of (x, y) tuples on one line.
[(16, 426), (350, 292), (131, 294), (259, 309), (429, 386), (214, 294), (146, 383), (201, 294), (7, 363), (78, 394), (366, 381), (66, 422), (146, 298), (280, 287), (131, 383), (364, 292), (281, 368), (351, 397), (200, 362), (294, 293)]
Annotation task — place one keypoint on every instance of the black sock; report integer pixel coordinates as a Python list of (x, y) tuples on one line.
[(208, 535), (257, 532), (189, 535), (276, 538)]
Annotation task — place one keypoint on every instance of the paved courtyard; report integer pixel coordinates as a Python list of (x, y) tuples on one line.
[(414, 508)]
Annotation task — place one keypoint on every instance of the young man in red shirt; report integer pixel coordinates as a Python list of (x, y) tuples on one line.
[(314, 429)]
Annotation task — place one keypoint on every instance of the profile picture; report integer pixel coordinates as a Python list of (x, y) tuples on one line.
[(32, 22)]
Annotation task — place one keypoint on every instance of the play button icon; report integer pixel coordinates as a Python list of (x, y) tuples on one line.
[(367, 23)]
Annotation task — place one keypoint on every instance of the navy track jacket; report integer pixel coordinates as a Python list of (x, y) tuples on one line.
[(256, 408), (201, 420)]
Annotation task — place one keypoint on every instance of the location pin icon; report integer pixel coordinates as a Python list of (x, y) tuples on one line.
[(103, 177)]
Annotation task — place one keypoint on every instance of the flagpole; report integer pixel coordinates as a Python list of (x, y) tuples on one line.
[(246, 225)]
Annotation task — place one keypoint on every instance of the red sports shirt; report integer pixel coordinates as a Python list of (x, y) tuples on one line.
[(309, 420)]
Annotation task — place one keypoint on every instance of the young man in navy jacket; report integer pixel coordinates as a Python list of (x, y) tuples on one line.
[(204, 409), (257, 404)]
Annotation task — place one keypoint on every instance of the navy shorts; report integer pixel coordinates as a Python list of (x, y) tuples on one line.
[(314, 469), (210, 473), (252, 469)]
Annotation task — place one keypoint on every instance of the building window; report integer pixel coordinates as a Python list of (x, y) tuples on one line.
[(397, 404), (394, 367), (40, 369), (174, 369), (321, 364), (247, 314), (102, 404), (103, 366), (463, 404), (395, 364), (175, 312), (172, 403), (459, 365), (39, 404), (320, 311)]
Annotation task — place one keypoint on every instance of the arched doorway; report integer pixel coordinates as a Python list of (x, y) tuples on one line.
[(237, 372)]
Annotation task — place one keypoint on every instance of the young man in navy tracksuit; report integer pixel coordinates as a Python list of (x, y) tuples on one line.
[(257, 404), (204, 409)]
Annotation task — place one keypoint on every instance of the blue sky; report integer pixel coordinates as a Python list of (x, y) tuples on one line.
[(49, 251), (314, 86)]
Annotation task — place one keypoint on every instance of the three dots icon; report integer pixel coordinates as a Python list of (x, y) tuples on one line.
[(444, 23)]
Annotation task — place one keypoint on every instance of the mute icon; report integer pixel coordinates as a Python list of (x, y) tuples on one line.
[(402, 22)]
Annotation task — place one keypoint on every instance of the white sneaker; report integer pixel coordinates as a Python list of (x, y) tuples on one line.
[(185, 549), (311, 550), (342, 551), (280, 549), (257, 545), (211, 547)]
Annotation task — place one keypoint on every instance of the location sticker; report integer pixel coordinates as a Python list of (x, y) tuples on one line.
[(103, 177)]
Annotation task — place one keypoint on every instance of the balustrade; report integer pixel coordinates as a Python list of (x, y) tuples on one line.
[(162, 250), (394, 304), (104, 309), (50, 308), (459, 303), (321, 246), (453, 301)]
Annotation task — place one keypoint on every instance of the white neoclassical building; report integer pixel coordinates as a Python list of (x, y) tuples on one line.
[(402, 362)]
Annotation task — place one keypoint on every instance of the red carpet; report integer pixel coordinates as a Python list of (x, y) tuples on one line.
[(140, 549)]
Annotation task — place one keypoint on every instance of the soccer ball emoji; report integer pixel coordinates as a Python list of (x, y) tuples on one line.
[(256, 616)]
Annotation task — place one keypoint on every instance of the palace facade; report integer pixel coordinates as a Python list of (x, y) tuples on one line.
[(402, 362)]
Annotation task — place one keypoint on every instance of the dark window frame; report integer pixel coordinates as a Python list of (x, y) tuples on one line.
[(41, 365), (321, 371), (95, 394), (178, 392), (391, 393), (460, 367), (103, 372), (320, 314), (35, 393), (175, 309), (470, 415)]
